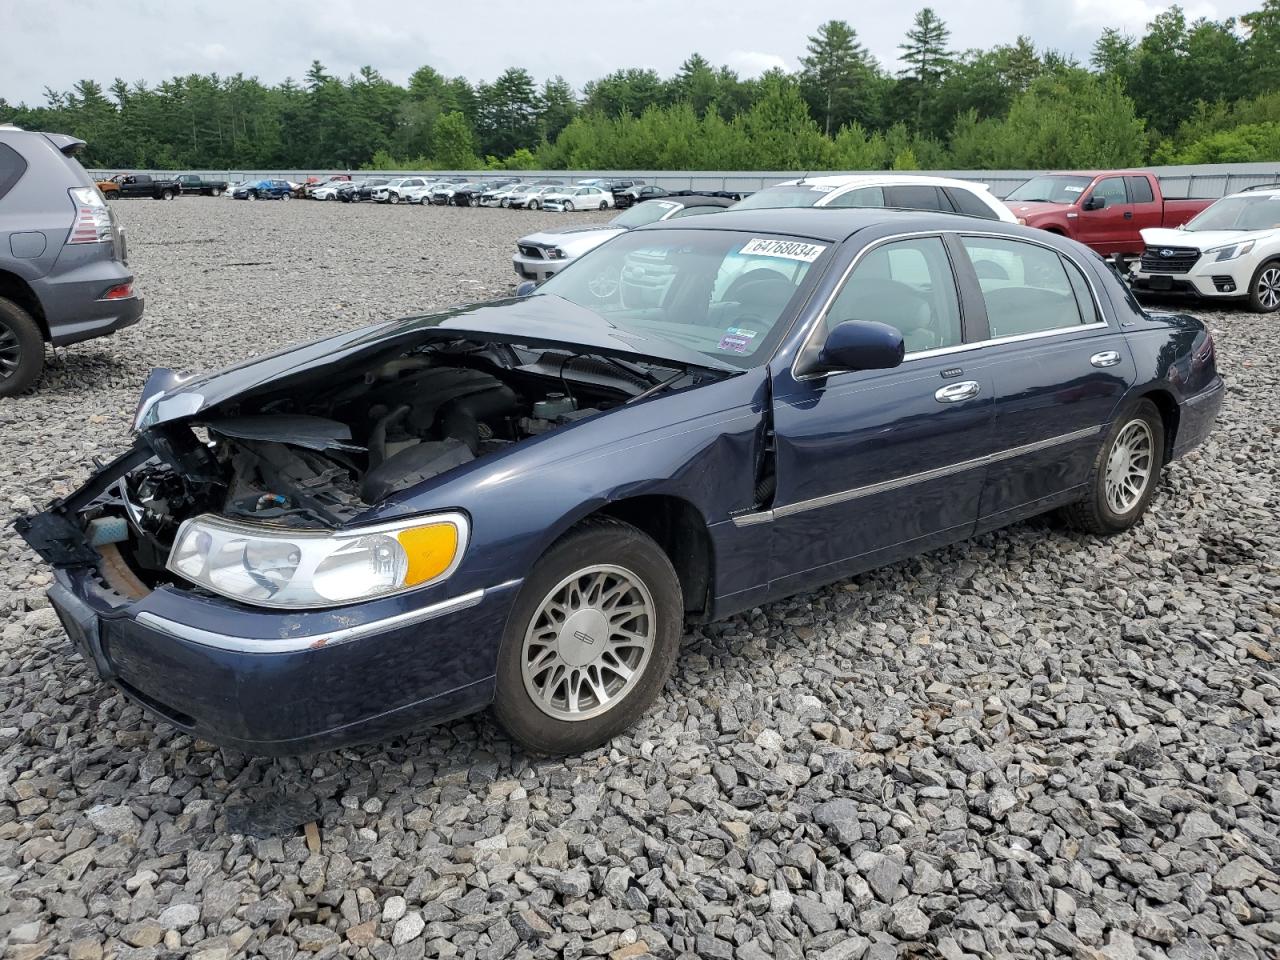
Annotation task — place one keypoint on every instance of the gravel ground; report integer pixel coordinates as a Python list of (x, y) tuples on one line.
[(1032, 744)]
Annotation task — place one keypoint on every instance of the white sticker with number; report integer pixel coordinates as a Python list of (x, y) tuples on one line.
[(784, 249)]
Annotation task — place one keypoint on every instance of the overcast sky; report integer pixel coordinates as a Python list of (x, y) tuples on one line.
[(56, 42)]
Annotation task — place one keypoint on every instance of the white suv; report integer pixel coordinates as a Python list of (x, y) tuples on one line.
[(906, 191), (406, 188), (1229, 251)]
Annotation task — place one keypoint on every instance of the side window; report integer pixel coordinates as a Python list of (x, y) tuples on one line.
[(1112, 189), (1140, 190), (967, 202), (916, 197), (862, 197), (1026, 287), (907, 284), (12, 167)]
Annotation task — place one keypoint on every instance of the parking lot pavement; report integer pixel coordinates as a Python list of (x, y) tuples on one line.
[(1035, 743)]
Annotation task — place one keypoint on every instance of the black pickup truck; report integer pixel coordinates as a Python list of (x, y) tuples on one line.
[(193, 184), (143, 185)]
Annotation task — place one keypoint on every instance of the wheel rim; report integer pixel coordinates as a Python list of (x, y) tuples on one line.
[(589, 642), (10, 352), (1269, 288), (1129, 466)]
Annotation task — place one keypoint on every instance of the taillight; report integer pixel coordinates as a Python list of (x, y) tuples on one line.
[(94, 221), (121, 291)]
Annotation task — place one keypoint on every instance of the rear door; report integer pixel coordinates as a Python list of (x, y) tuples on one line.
[(1109, 230), (1059, 370), (877, 464), (1147, 210)]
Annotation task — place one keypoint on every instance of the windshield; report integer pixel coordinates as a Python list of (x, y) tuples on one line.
[(1239, 213), (797, 195), (651, 211), (722, 293), (1051, 189)]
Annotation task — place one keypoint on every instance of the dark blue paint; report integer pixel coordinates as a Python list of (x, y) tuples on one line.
[(701, 445)]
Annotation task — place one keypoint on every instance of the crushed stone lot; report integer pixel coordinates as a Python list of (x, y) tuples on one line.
[(1036, 743)]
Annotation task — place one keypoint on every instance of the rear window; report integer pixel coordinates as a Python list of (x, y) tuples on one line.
[(12, 167), (916, 197), (1140, 190), (966, 202)]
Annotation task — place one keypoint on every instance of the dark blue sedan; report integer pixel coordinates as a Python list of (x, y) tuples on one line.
[(521, 503)]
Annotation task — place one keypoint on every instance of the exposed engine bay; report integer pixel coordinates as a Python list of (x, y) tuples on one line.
[(316, 454)]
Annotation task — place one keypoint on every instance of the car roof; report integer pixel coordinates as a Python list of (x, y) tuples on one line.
[(880, 179), (835, 224)]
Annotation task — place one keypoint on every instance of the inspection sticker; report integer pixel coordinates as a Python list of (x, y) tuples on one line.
[(784, 249), (736, 339)]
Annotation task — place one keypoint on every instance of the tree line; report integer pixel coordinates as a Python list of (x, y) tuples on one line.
[(1186, 91)]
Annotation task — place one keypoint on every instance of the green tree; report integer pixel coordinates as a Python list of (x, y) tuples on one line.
[(455, 147), (927, 58), (835, 74)]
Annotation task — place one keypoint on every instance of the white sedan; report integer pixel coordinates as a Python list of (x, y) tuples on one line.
[(531, 197), (1229, 251), (577, 198)]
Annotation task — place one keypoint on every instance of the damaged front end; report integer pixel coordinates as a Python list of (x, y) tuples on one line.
[(252, 494)]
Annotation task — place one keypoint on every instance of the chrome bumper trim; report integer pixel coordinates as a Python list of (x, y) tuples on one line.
[(316, 641)]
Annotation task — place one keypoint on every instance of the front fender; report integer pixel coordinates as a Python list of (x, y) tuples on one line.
[(697, 445)]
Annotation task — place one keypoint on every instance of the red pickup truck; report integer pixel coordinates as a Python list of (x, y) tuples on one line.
[(1106, 210)]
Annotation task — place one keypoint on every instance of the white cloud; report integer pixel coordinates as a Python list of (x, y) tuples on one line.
[(752, 63), (1132, 16)]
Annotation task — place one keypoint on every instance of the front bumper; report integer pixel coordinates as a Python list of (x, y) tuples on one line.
[(1229, 280), (535, 268), (282, 683)]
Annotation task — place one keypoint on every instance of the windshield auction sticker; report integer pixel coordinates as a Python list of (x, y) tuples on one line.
[(783, 249)]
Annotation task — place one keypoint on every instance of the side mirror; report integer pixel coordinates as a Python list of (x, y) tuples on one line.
[(1095, 203), (859, 345), (526, 288)]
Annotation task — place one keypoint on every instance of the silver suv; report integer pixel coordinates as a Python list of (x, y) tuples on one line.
[(64, 276)]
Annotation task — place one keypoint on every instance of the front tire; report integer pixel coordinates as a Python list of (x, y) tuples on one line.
[(286, 196), (166, 194), (1264, 289), (591, 639), (215, 192), (252, 196), (1125, 473), (21, 349)]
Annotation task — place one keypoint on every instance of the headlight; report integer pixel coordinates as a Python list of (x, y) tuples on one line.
[(556, 253), (1229, 252), (298, 569)]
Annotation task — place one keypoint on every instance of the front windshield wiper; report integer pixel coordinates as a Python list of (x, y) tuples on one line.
[(660, 386)]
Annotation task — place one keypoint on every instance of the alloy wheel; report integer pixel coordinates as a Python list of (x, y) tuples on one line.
[(1269, 288), (1129, 466), (589, 642), (10, 352)]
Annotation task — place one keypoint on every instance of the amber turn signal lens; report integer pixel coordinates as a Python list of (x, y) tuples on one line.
[(430, 550)]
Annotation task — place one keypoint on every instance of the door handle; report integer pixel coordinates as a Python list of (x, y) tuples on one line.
[(1107, 358), (955, 392), (1128, 214)]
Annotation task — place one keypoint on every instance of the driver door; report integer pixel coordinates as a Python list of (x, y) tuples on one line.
[(874, 465), (1107, 230)]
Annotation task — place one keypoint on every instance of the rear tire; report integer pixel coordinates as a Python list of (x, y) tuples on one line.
[(532, 205), (252, 196), (1264, 289), (21, 349), (1125, 473), (573, 671)]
